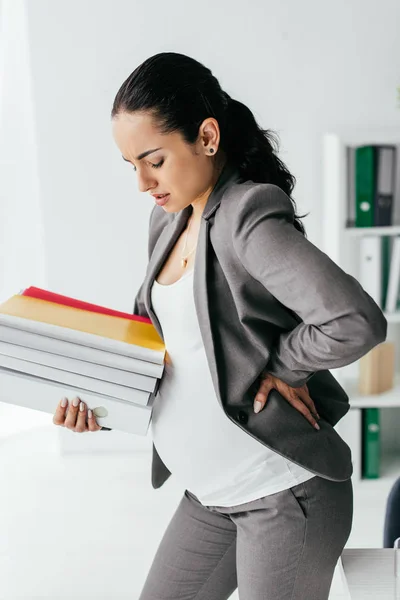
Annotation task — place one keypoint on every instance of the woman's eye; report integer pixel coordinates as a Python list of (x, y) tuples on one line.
[(158, 165)]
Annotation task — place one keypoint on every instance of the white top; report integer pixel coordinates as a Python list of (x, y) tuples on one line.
[(211, 456)]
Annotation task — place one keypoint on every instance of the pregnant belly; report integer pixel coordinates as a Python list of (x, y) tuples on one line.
[(191, 431)]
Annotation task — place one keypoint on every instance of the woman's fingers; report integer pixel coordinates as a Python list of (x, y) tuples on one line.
[(92, 423), (59, 415), (72, 414), (303, 394), (262, 395), (75, 416), (299, 405), (299, 398), (81, 426)]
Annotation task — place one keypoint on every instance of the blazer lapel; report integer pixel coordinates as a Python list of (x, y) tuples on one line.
[(201, 300), (163, 247)]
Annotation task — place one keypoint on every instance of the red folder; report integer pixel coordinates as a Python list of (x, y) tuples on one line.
[(34, 292)]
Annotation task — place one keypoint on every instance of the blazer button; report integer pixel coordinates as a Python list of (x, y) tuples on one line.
[(242, 417)]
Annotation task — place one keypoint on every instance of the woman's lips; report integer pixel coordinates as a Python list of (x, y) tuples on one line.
[(162, 201)]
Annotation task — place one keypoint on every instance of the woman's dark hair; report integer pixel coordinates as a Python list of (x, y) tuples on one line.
[(180, 92)]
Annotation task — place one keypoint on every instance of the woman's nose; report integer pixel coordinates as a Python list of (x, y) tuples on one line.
[(145, 183)]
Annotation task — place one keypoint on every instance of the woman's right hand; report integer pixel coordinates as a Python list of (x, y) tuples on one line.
[(75, 416)]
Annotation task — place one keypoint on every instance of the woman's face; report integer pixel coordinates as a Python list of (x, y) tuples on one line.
[(185, 172)]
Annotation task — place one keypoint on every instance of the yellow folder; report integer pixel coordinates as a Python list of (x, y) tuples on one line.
[(116, 328)]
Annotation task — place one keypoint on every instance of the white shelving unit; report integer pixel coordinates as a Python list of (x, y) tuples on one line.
[(341, 243), (388, 399)]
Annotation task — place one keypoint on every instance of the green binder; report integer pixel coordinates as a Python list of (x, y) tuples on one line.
[(370, 443), (386, 255), (365, 186)]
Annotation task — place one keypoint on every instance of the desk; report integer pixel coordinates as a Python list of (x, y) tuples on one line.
[(368, 573)]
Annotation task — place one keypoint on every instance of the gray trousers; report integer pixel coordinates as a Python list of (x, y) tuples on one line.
[(284, 546)]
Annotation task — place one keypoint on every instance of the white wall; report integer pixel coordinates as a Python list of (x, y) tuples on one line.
[(22, 247), (303, 67), (22, 251)]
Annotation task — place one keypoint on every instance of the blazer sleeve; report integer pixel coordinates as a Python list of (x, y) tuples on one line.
[(340, 322)]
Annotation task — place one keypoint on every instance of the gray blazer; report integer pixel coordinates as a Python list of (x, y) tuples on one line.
[(267, 298)]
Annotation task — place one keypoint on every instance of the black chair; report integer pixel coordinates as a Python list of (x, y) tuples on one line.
[(392, 517)]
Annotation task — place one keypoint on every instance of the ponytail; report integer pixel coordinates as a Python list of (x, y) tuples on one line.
[(254, 151)]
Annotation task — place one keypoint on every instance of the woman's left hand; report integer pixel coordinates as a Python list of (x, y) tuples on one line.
[(296, 396)]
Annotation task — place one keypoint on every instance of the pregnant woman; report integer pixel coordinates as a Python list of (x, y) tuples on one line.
[(252, 315)]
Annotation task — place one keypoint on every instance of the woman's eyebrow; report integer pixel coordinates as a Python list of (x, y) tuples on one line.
[(143, 154)]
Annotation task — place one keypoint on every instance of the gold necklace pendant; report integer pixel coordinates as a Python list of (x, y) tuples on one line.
[(184, 261)]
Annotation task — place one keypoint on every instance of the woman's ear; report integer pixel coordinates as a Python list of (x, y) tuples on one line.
[(210, 135)]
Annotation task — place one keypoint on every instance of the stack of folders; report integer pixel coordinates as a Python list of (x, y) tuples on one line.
[(371, 182), (53, 346), (379, 269)]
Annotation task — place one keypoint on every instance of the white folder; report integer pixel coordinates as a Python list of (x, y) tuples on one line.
[(44, 395)]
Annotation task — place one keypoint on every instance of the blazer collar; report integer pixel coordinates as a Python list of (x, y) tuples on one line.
[(229, 175)]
